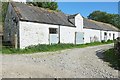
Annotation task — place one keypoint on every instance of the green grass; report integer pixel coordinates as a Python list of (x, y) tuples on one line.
[(48, 48), (113, 58)]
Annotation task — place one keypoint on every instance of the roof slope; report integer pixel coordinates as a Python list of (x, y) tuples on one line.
[(41, 15), (91, 24), (36, 14)]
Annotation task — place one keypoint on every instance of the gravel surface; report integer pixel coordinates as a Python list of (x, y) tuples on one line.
[(71, 63)]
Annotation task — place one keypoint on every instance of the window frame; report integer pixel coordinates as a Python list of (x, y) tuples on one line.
[(110, 34), (53, 30)]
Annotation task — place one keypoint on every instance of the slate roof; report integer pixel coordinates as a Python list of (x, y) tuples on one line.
[(36, 14), (41, 15), (91, 24)]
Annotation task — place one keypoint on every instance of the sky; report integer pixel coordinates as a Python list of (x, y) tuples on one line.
[(119, 7), (85, 8), (86, 0)]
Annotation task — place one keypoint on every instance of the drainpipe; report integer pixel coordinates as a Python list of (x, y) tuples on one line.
[(59, 34), (100, 36), (15, 41)]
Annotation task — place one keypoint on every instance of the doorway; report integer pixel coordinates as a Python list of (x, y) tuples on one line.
[(79, 37)]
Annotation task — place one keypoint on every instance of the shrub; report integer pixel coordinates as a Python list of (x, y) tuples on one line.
[(112, 58), (103, 41), (117, 46), (110, 41)]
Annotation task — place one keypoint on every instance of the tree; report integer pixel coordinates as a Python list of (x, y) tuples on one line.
[(4, 10), (113, 19), (49, 5), (116, 21)]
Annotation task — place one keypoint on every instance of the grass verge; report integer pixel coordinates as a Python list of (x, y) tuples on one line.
[(48, 48), (113, 58)]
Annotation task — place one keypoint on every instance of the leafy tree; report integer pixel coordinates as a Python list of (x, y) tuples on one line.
[(116, 21), (4, 10), (49, 5), (113, 19)]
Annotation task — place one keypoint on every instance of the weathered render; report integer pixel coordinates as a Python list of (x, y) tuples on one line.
[(35, 25), (27, 25), (98, 31), (91, 35)]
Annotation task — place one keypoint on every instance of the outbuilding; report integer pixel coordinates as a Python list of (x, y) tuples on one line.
[(27, 25), (98, 31)]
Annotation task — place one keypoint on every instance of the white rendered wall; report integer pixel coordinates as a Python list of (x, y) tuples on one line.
[(99, 33), (37, 33), (67, 34), (90, 34), (79, 23), (108, 36), (34, 33), (20, 1), (116, 34), (102, 34)]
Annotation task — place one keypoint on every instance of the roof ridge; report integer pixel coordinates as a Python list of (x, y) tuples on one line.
[(110, 25), (42, 15)]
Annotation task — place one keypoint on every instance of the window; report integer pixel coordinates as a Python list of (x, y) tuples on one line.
[(113, 36), (53, 30), (109, 34), (105, 34)]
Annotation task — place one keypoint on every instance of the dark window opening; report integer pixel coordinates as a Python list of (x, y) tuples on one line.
[(109, 34), (8, 34), (105, 34), (53, 30), (113, 36)]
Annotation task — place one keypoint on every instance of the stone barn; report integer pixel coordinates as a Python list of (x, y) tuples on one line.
[(27, 25), (98, 31)]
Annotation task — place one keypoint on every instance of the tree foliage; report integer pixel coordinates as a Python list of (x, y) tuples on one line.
[(49, 5), (4, 10), (113, 19)]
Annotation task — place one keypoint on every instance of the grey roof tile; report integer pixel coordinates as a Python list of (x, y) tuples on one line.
[(32, 13), (41, 15), (91, 24)]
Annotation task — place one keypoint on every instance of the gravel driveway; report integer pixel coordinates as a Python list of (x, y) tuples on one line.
[(71, 63)]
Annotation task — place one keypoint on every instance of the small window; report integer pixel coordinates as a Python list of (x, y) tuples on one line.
[(105, 34), (109, 34), (53, 30)]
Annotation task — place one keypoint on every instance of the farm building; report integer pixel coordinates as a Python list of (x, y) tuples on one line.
[(29, 25), (98, 31)]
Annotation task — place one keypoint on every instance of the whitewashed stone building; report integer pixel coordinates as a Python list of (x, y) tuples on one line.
[(28, 25), (98, 31)]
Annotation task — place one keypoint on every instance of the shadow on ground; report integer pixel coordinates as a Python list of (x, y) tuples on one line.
[(100, 55)]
